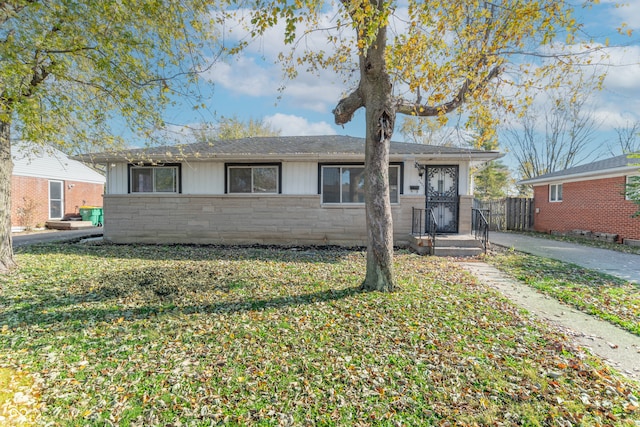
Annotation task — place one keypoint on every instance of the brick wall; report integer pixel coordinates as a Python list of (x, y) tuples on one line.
[(81, 194), (30, 194), (29, 191), (274, 219), (596, 205)]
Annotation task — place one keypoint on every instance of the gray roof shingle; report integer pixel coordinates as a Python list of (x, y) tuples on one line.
[(286, 146), (610, 164)]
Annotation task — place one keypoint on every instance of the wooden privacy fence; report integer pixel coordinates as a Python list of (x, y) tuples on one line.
[(512, 213)]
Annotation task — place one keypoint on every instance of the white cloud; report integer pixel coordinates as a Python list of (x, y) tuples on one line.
[(290, 125), (243, 76), (250, 77), (619, 100), (628, 12), (623, 71), (255, 73)]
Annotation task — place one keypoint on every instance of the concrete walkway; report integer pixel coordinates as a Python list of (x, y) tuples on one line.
[(618, 347), (619, 264)]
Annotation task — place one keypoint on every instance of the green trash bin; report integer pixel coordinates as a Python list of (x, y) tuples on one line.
[(100, 217), (92, 213), (85, 213)]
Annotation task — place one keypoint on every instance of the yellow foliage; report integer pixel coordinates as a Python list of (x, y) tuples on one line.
[(483, 59)]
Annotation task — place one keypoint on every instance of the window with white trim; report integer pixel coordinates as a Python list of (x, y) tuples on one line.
[(345, 183), (256, 179), (555, 192), (154, 179), (632, 189)]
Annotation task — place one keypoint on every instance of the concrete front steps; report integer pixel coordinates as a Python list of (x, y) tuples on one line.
[(453, 245), (68, 225)]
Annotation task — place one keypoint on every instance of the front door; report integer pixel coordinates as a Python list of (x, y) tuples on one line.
[(442, 196)]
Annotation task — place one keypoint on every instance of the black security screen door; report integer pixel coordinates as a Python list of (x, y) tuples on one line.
[(442, 196)]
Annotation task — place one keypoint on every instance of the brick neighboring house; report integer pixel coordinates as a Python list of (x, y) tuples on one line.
[(47, 185), (589, 197)]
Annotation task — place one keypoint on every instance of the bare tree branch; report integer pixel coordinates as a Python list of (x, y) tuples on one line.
[(557, 139), (628, 139), (414, 109)]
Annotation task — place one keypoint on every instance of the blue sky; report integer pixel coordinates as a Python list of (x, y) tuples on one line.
[(247, 86)]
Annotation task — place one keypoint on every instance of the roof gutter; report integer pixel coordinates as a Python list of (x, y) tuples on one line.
[(476, 156), (609, 173)]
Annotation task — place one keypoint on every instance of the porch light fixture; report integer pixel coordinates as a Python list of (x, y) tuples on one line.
[(421, 169)]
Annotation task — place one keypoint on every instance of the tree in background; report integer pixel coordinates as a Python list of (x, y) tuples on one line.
[(492, 182), (71, 70), (419, 58), (627, 141), (556, 134), (234, 128)]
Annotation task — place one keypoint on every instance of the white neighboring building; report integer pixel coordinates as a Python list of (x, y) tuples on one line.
[(47, 185)]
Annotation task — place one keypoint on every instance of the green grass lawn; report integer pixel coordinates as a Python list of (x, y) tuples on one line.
[(607, 297), (198, 336)]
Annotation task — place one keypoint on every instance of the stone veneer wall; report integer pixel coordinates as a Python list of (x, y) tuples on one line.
[(464, 216), (231, 219)]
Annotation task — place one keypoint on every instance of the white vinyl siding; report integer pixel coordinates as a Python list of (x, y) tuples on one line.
[(49, 163), (300, 178), (117, 178), (203, 178)]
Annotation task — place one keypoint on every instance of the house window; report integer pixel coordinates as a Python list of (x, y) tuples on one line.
[(56, 202), (555, 192), (632, 189), (154, 179), (345, 183), (257, 179)]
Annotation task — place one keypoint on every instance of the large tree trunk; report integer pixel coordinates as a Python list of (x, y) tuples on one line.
[(375, 88), (6, 168), (379, 275)]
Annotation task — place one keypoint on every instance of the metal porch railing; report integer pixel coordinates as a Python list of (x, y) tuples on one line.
[(423, 223), (480, 226)]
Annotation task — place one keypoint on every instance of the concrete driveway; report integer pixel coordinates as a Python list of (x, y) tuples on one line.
[(22, 239), (618, 264)]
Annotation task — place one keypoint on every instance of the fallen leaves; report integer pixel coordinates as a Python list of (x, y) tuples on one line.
[(19, 398), (187, 335)]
